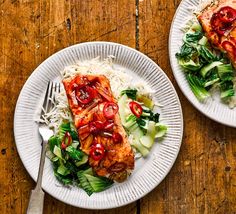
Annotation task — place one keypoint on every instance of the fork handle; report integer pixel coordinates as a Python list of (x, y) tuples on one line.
[(36, 201), (41, 164)]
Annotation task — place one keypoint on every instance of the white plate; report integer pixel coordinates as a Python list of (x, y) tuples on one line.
[(213, 108), (148, 173)]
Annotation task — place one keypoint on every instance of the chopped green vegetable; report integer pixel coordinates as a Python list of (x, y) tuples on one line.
[(147, 141), (226, 89), (225, 72), (49, 154), (131, 93), (133, 128), (143, 150), (63, 179), (191, 38), (74, 153), (82, 161), (54, 159), (185, 51), (130, 121), (161, 130), (64, 127), (212, 79), (203, 41), (98, 183), (84, 184), (136, 132), (74, 135), (208, 67), (57, 152), (141, 122), (196, 27), (189, 64), (206, 54), (122, 103), (140, 126), (91, 183), (146, 113), (62, 170), (73, 169), (151, 131), (145, 100), (154, 117), (75, 144), (88, 171), (70, 160), (53, 141), (67, 127), (150, 115), (227, 94), (154, 130), (211, 82), (197, 88)]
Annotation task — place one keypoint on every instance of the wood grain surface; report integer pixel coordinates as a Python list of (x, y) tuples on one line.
[(203, 179)]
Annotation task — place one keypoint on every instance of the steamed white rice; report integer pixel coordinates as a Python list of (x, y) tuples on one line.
[(119, 78)]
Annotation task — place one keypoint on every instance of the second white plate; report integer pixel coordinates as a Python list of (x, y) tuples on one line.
[(213, 108)]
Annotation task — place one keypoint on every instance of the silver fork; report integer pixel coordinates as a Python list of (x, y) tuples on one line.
[(36, 201)]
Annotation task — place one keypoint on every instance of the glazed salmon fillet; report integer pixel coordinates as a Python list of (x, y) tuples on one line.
[(96, 118), (219, 24)]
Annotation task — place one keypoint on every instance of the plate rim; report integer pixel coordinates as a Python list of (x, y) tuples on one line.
[(176, 75), (131, 49)]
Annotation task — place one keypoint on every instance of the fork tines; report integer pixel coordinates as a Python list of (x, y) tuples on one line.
[(53, 88), (57, 89)]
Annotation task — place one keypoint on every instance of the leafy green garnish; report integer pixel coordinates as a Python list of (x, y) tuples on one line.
[(74, 153), (98, 184), (67, 127), (131, 93), (161, 130), (91, 183), (63, 128), (154, 117), (57, 152), (208, 68), (185, 51), (206, 54), (62, 170), (197, 87), (211, 79), (84, 184), (71, 164), (66, 180), (130, 121), (53, 141), (226, 89), (69, 161), (225, 72), (150, 115), (74, 135), (189, 64), (204, 66), (141, 122), (193, 37)]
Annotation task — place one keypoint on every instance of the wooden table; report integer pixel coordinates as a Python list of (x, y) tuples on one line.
[(203, 179)]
